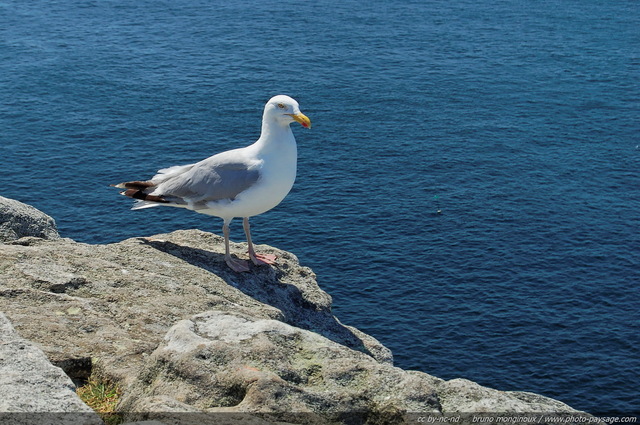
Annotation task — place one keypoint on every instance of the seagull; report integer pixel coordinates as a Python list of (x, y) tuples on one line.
[(238, 183)]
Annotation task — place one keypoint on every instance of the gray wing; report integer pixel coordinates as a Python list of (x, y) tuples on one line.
[(209, 180)]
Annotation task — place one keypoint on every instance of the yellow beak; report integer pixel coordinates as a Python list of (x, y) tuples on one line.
[(302, 119)]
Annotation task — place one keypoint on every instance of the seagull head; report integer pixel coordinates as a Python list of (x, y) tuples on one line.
[(285, 110)]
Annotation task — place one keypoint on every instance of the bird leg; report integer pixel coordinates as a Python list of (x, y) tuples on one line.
[(257, 258), (236, 265)]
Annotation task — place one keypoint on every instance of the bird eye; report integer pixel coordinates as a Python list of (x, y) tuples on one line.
[(281, 105)]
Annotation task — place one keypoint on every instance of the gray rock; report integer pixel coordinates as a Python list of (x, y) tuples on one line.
[(185, 337), (18, 220), (32, 388), (116, 302), (221, 362), (464, 396)]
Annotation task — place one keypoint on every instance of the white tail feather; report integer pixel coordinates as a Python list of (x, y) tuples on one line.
[(139, 205)]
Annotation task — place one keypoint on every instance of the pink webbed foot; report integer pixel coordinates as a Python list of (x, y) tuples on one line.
[(238, 266), (262, 259)]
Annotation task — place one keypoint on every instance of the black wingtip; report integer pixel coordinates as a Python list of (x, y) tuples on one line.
[(139, 194)]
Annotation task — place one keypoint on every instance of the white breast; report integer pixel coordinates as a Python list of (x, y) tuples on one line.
[(278, 173)]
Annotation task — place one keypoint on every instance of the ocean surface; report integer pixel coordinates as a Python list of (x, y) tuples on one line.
[(518, 121)]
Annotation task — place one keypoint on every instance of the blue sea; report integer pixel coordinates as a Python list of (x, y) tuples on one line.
[(469, 193)]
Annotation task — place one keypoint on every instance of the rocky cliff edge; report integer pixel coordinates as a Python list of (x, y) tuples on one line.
[(183, 335)]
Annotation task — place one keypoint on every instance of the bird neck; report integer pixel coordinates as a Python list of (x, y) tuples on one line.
[(275, 135)]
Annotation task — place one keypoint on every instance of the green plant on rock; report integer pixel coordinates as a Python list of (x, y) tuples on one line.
[(102, 396)]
